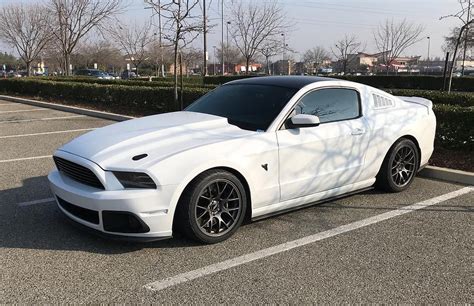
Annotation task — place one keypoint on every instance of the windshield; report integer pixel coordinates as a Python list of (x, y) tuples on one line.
[(248, 106)]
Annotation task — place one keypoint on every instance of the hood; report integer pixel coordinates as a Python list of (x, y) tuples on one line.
[(158, 136)]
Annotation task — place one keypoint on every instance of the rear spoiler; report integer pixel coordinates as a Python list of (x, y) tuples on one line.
[(417, 100)]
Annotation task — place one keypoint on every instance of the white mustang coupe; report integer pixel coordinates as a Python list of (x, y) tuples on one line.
[(250, 148)]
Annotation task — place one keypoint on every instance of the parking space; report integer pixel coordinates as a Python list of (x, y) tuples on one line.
[(422, 255)]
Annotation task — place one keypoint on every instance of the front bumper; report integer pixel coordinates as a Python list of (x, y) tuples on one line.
[(150, 207)]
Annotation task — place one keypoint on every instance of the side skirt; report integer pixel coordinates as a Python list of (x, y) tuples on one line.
[(312, 203)]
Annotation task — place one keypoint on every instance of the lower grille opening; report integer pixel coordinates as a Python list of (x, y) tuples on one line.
[(123, 222), (85, 214)]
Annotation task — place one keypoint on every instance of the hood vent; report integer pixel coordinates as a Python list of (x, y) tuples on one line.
[(140, 156)]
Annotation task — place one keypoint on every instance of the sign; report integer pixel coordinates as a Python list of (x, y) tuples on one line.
[(128, 66), (95, 65)]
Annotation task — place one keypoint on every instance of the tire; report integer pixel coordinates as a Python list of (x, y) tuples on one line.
[(212, 207), (399, 167)]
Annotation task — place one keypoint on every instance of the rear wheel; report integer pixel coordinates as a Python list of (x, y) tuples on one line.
[(212, 207), (399, 167)]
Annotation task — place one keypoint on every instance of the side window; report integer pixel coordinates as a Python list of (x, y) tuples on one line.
[(330, 104)]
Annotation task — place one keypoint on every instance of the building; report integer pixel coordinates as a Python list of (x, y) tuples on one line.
[(283, 67)]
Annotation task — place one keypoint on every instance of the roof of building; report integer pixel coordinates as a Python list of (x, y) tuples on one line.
[(283, 81)]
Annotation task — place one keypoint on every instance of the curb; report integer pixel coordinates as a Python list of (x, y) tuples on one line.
[(71, 109), (448, 175)]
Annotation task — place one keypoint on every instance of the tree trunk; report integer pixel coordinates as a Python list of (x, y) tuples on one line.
[(247, 64), (68, 64), (268, 65), (28, 68), (345, 66), (453, 62), (181, 80), (175, 71)]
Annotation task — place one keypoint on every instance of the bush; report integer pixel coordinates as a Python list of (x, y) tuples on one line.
[(134, 82), (411, 82), (437, 97), (455, 127), (134, 100)]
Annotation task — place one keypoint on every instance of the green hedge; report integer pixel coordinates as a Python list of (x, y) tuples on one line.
[(134, 82), (134, 100), (455, 127)]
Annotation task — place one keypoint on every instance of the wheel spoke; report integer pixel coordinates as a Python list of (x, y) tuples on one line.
[(218, 207), (403, 166)]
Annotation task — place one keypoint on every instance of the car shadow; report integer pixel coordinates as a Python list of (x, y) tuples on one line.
[(43, 225)]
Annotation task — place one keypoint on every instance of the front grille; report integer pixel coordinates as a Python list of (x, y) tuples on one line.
[(77, 172), (88, 215)]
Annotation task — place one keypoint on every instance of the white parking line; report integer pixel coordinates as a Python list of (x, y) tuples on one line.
[(24, 158), (47, 200), (237, 261), (46, 133), (41, 119), (24, 110)]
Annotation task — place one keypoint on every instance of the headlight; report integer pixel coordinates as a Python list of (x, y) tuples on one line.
[(135, 180)]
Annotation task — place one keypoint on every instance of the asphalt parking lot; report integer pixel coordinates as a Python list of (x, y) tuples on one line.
[(354, 249)]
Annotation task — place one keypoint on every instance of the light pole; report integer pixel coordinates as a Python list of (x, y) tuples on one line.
[(428, 56), (222, 36), (215, 59), (227, 43), (160, 45), (283, 51)]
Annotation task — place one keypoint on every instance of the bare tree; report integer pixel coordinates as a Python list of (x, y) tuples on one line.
[(182, 25), (76, 18), (253, 24), (392, 38), (101, 52), (232, 54), (270, 48), (133, 40), (191, 58), (465, 16), (344, 48), (22, 27), (313, 58)]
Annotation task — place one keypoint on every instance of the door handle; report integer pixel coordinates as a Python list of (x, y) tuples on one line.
[(358, 131)]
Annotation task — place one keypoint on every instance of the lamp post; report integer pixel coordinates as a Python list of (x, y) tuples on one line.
[(160, 45), (222, 36), (428, 56), (284, 43), (227, 43), (215, 59)]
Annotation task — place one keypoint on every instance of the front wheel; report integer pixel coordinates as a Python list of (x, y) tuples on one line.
[(399, 167), (212, 207)]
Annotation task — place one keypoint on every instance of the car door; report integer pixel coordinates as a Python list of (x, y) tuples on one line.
[(327, 156)]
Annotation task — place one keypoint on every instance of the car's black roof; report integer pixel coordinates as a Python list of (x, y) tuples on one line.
[(292, 81)]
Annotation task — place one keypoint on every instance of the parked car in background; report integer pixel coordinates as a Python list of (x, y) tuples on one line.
[(95, 73), (127, 74), (114, 75), (259, 145)]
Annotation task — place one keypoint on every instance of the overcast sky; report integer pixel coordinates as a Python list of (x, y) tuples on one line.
[(322, 22)]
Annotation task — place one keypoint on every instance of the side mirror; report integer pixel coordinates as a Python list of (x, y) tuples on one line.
[(303, 120)]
